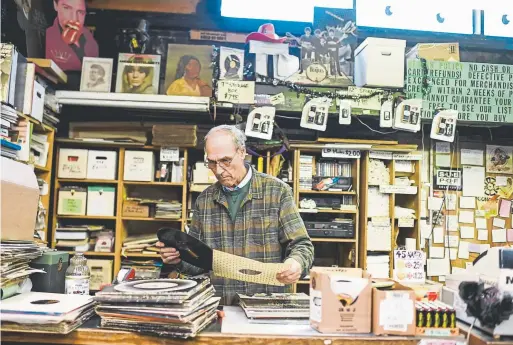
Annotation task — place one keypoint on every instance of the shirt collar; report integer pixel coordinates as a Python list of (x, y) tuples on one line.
[(242, 183)]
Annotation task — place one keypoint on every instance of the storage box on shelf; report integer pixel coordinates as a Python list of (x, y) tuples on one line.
[(389, 219), (97, 172)]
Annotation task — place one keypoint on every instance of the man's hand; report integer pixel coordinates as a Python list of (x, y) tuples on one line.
[(170, 256), (291, 273)]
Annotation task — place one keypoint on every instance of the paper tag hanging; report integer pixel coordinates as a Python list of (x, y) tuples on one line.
[(315, 114), (385, 115), (231, 63), (444, 125), (407, 115), (261, 123), (169, 154), (344, 113)]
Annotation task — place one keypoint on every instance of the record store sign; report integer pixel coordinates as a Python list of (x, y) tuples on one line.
[(479, 92), (333, 152)]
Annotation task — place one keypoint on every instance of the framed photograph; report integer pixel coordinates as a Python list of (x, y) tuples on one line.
[(188, 70), (499, 159), (96, 74), (138, 73)]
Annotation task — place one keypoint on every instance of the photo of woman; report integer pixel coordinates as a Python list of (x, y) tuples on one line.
[(193, 73), (138, 74)]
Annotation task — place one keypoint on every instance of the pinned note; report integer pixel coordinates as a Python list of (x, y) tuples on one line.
[(505, 208), (453, 253), (472, 157), (443, 160), (436, 252), (501, 181), (481, 223), (442, 147), (468, 265), (467, 202), (467, 217), (482, 235), (470, 176), (452, 241), (499, 236), (458, 270), (509, 235), (467, 232), (438, 267), (435, 204), (499, 223), (463, 250), (450, 201), (438, 235), (452, 223)]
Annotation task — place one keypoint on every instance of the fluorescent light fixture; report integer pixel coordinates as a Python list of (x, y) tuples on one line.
[(348, 146), (133, 101)]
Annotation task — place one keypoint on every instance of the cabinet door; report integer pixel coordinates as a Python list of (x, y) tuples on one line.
[(499, 22), (414, 15)]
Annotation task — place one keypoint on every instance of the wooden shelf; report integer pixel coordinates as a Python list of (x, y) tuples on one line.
[(327, 211), (151, 219), (72, 180), (38, 168), (94, 253), (136, 183), (333, 240), (87, 217), (140, 255), (327, 192), (303, 282)]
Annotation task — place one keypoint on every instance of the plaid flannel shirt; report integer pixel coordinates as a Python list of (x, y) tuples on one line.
[(267, 228)]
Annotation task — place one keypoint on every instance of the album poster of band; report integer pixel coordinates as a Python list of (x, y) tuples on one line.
[(327, 49)]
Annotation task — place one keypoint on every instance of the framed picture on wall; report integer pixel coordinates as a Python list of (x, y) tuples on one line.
[(96, 74), (138, 73)]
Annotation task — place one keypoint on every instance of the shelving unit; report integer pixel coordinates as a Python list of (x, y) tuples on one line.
[(123, 225), (410, 201)]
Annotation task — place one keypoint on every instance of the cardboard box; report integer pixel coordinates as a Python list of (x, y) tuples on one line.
[(38, 101), (101, 273), (101, 165), (20, 196), (139, 166), (134, 209), (435, 51), (203, 175), (340, 300), (393, 310), (101, 200), (72, 163), (72, 201), (379, 62)]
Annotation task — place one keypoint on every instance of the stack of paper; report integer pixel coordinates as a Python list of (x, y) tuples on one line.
[(43, 312), (280, 308), (144, 244), (168, 210), (39, 149), (176, 308), (378, 266), (77, 237)]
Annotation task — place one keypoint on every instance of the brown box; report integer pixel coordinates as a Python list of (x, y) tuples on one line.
[(393, 310), (134, 209), (435, 51), (340, 300), (101, 273), (20, 194)]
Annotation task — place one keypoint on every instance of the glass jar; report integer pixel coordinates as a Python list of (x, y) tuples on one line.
[(77, 276)]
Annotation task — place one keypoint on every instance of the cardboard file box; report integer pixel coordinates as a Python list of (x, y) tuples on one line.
[(101, 273), (340, 300), (72, 201), (379, 62), (55, 265), (202, 175), (101, 200), (435, 51), (72, 163), (139, 166), (134, 209), (101, 165), (38, 101), (393, 310)]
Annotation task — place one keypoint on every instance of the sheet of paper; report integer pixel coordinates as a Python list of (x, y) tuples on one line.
[(236, 267), (501, 181), (482, 235), (509, 235), (473, 181), (467, 232), (481, 223), (505, 208), (451, 201), (435, 204), (452, 241), (458, 270), (469, 265), (483, 248), (441, 279), (452, 223), (472, 157), (474, 247), (438, 235), (443, 160), (453, 253), (463, 250), (437, 252), (480, 213), (438, 267), (466, 217), (499, 235), (499, 223), (442, 147), (467, 202)]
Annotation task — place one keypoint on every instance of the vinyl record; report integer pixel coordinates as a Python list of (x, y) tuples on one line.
[(232, 66), (153, 286), (191, 249)]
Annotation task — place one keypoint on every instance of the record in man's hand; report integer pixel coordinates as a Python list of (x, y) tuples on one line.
[(153, 286), (191, 249)]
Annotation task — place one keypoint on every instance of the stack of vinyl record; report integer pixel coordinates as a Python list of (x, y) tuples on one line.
[(276, 308), (177, 308)]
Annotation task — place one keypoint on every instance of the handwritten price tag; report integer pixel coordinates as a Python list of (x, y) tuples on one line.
[(169, 154), (239, 92), (340, 153), (278, 99), (409, 266)]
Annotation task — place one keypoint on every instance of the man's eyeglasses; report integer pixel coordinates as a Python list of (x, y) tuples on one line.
[(223, 163)]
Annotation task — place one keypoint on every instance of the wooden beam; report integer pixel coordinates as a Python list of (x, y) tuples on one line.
[(163, 6), (357, 141)]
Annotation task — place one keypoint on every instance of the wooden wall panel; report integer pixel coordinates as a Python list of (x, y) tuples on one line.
[(164, 6)]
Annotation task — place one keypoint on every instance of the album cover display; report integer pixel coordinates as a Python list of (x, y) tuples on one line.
[(138, 73), (191, 249), (231, 63)]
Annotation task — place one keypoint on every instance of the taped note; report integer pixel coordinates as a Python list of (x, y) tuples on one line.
[(238, 268)]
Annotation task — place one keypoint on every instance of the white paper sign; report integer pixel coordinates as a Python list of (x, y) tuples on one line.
[(481, 223), (473, 181), (467, 232), (413, 156), (499, 236), (463, 250), (482, 235), (393, 189), (466, 217), (499, 223), (238, 92), (443, 147), (169, 154), (396, 311), (501, 181), (340, 153), (387, 155), (472, 157), (260, 123), (278, 99), (467, 202), (406, 222), (452, 241), (438, 267), (409, 266)]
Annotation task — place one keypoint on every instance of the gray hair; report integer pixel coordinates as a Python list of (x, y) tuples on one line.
[(238, 136)]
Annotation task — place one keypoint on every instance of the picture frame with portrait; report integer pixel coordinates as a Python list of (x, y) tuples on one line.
[(96, 74), (138, 73)]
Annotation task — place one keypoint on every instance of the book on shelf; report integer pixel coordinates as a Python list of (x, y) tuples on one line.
[(71, 235)]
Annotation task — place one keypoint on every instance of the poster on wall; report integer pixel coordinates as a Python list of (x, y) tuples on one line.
[(138, 73), (188, 70), (96, 74), (499, 159), (231, 63), (450, 179)]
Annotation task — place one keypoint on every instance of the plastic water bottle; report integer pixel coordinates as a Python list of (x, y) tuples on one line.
[(77, 276)]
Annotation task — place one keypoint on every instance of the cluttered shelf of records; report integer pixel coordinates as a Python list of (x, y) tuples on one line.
[(276, 308), (140, 244), (178, 308), (84, 237)]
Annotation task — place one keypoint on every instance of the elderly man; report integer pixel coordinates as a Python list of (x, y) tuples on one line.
[(248, 214)]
